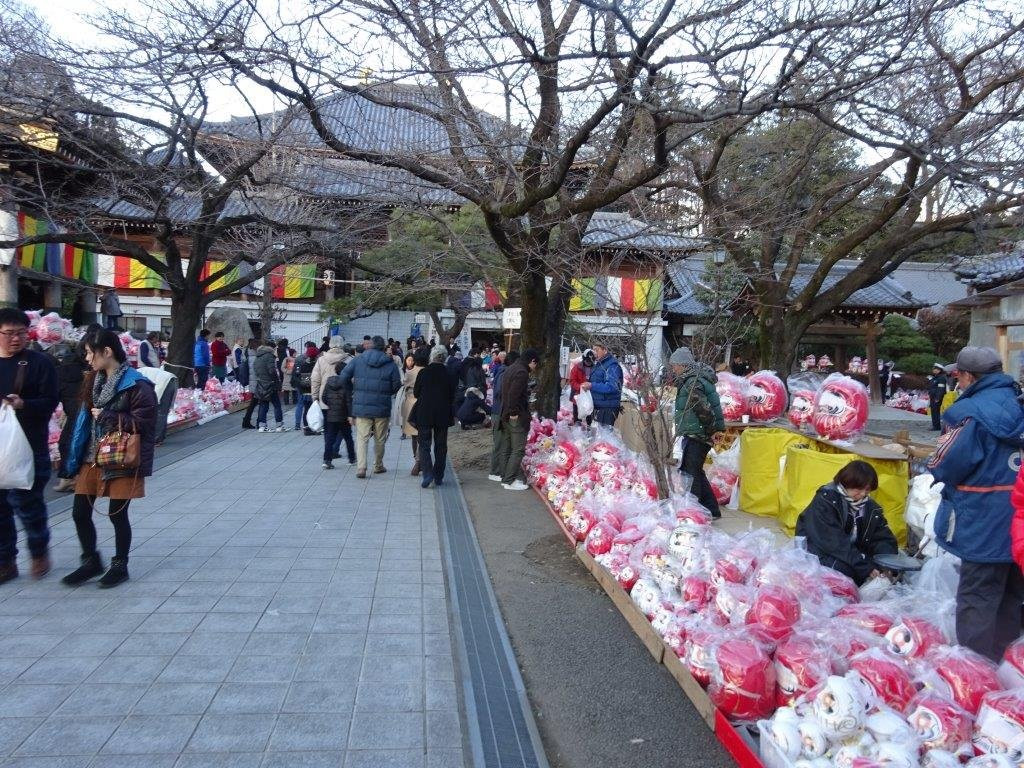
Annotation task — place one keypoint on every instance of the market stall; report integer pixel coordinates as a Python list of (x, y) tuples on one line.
[(790, 663)]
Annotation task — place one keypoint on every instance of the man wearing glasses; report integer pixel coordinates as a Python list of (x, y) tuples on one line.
[(28, 384)]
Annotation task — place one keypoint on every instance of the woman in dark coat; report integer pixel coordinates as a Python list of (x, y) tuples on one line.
[(114, 397), (432, 416), (845, 527), (71, 372), (338, 399)]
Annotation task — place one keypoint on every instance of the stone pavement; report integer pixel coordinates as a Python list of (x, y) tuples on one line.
[(278, 615)]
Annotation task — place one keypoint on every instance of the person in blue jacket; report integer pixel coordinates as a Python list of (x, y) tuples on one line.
[(977, 460), (605, 385), (201, 358), (374, 380)]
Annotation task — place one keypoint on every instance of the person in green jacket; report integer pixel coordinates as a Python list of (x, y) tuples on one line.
[(698, 420)]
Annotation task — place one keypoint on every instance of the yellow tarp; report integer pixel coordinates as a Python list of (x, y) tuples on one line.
[(760, 452), (809, 469), (947, 400)]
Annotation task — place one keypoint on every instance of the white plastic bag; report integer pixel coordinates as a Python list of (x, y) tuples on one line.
[(315, 417), (584, 403), (17, 465)]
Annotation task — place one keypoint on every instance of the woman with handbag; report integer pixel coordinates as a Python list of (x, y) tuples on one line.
[(111, 452), (420, 358)]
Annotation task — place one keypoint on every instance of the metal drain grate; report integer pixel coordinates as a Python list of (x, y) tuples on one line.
[(502, 731)]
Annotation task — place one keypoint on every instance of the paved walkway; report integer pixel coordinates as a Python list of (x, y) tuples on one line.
[(278, 615)]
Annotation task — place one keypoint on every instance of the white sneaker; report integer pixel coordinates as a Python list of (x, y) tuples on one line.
[(516, 485), (281, 428), (262, 428), (495, 478)]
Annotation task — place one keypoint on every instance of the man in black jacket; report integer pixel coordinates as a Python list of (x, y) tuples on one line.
[(432, 416), (938, 385), (28, 384), (844, 526), (515, 418)]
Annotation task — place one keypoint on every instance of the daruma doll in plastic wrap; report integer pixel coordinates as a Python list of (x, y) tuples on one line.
[(766, 396), (999, 729), (743, 680), (732, 394), (802, 407), (840, 408)]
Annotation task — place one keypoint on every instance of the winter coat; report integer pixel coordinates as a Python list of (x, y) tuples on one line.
[(148, 357), (40, 391), (698, 408), (606, 383), (201, 353), (285, 368), (71, 370), (978, 461), (374, 379), (938, 385), (1017, 524), (110, 305), (434, 391), (265, 381), (473, 374), (828, 526), (474, 408), (302, 374), (408, 395), (515, 392), (336, 398), (325, 368), (133, 410), (578, 374), (499, 372), (243, 368), (219, 352)]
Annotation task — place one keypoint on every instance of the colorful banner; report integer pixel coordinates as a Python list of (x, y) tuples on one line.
[(213, 267), (130, 273), (62, 259), (485, 296), (293, 281), (625, 294)]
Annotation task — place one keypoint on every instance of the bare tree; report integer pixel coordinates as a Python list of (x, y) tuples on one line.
[(596, 98), (926, 151), (136, 172)]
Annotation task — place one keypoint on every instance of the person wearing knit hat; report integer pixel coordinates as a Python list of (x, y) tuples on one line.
[(698, 419), (977, 461)]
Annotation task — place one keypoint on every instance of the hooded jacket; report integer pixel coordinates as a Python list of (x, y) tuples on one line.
[(264, 370), (201, 353), (374, 379), (839, 541), (337, 400), (978, 461), (698, 408), (134, 409), (606, 382), (324, 369)]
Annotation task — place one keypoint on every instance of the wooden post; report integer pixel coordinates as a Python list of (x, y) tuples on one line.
[(871, 334)]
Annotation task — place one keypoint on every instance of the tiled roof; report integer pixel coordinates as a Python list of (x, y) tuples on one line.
[(368, 126), (888, 293), (183, 209), (343, 179), (933, 282), (620, 230), (993, 269)]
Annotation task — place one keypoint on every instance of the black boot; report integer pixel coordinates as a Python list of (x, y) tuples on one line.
[(117, 573), (92, 566)]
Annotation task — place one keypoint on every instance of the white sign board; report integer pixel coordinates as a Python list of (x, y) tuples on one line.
[(512, 318), (8, 231)]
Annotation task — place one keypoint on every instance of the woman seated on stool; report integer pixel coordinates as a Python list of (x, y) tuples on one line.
[(844, 526)]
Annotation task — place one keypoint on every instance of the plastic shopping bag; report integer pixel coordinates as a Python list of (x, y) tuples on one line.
[(584, 403), (17, 465), (315, 417)]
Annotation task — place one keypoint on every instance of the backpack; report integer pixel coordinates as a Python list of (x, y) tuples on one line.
[(303, 373)]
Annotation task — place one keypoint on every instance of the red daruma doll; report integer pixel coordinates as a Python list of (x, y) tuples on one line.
[(766, 396), (840, 408), (732, 395)]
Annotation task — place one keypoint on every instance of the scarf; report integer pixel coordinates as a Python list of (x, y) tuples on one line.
[(856, 509)]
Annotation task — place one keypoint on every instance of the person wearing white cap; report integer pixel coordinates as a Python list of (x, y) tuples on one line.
[(978, 460)]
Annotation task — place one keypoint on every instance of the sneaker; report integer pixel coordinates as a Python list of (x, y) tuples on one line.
[(308, 432), (380, 470), (351, 462), (361, 474), (425, 482), (65, 485), (245, 425), (495, 478), (517, 485), (262, 428), (281, 428), (327, 465)]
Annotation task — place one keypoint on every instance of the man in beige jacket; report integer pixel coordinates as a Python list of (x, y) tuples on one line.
[(324, 367)]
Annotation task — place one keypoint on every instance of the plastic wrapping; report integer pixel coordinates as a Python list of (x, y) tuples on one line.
[(839, 708), (875, 617), (840, 408), (967, 675), (801, 407), (776, 609), (801, 662), (1011, 669), (940, 723), (766, 396), (732, 394), (999, 729), (733, 601), (913, 637), (599, 538), (885, 677), (743, 680)]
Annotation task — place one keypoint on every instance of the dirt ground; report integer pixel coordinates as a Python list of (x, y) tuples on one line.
[(598, 696)]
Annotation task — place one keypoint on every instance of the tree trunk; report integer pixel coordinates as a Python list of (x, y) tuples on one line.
[(871, 334), (535, 334), (187, 313)]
